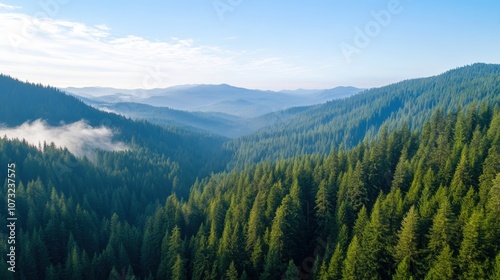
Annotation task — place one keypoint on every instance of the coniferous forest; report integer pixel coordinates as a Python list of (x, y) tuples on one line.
[(399, 182)]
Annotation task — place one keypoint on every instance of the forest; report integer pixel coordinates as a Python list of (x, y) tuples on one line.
[(415, 197), (348, 121)]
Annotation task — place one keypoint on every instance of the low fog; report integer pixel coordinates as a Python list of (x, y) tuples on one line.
[(80, 138)]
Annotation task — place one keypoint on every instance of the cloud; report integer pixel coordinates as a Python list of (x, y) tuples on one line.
[(80, 138), (67, 53), (6, 7)]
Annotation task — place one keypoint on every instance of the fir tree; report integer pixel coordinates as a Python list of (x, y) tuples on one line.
[(442, 268)]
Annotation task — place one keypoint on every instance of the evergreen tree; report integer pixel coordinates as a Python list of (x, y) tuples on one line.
[(442, 268), (284, 235), (374, 242), (444, 229), (471, 258), (403, 271), (255, 222), (462, 179), (357, 192), (361, 222), (351, 269), (335, 265), (406, 248), (232, 273), (496, 268), (178, 270), (291, 273), (324, 209), (492, 221)]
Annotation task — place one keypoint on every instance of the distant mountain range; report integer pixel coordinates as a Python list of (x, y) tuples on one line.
[(349, 121), (226, 99), (401, 158), (196, 152)]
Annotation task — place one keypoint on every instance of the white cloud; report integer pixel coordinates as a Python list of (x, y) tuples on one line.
[(65, 53), (6, 7), (80, 138)]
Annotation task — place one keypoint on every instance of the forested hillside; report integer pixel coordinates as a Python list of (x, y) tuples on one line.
[(348, 121), (411, 190), (421, 205), (198, 154), (215, 123), (404, 205)]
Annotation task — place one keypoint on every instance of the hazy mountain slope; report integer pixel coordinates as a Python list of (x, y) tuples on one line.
[(218, 123), (199, 154), (348, 121), (222, 98)]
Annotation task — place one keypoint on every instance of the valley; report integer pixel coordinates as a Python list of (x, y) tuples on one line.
[(397, 181)]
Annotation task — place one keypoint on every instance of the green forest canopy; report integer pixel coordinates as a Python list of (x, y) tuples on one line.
[(409, 202)]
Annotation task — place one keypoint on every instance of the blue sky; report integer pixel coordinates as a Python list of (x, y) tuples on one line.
[(249, 43)]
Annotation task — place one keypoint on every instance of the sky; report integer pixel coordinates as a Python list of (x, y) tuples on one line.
[(257, 44)]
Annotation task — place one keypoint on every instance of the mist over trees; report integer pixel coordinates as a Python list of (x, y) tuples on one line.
[(407, 198)]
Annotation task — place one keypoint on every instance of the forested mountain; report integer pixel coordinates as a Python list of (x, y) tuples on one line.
[(212, 122), (421, 205), (217, 123), (406, 205), (198, 154), (226, 99), (348, 121), (400, 182)]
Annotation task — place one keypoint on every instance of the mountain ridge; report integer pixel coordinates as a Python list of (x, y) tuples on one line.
[(222, 98), (349, 121)]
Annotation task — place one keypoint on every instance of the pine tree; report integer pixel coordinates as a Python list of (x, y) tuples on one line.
[(496, 268), (323, 209), (255, 222), (284, 234), (236, 250), (113, 275), (374, 243), (273, 267), (202, 257), (492, 220), (403, 271), (351, 269), (462, 179), (406, 248), (178, 270), (442, 268), (284, 231), (493, 202), (164, 268), (470, 258), (361, 222), (244, 276), (491, 167), (50, 273), (224, 252), (357, 192), (232, 273), (402, 174), (323, 271), (335, 265), (444, 229), (174, 248), (291, 273), (257, 256)]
